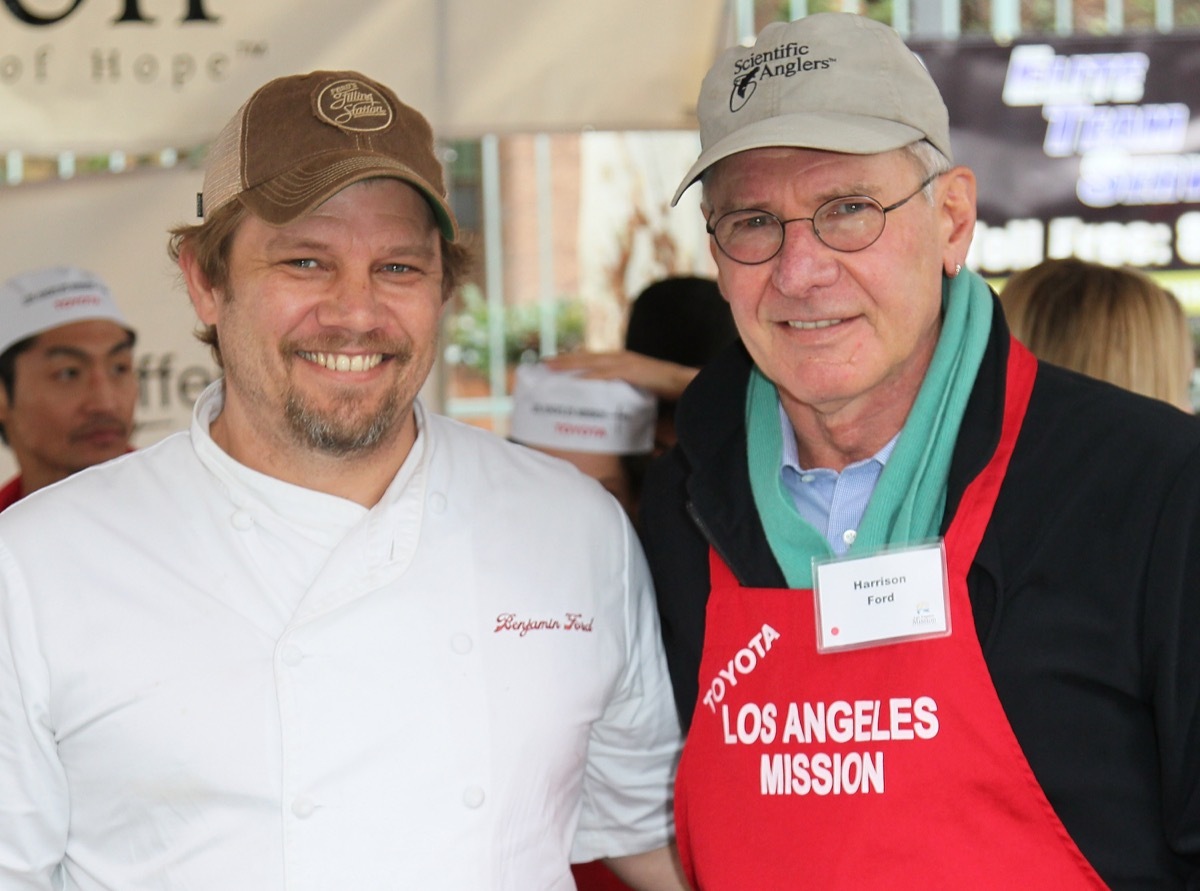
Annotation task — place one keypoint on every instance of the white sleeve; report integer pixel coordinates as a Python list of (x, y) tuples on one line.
[(634, 748), (34, 809)]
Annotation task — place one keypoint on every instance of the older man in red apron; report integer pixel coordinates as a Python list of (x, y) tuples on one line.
[(930, 607)]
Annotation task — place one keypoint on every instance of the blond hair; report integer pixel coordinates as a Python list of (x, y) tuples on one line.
[(1112, 323)]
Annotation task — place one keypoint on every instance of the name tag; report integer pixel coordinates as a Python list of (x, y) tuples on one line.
[(891, 597)]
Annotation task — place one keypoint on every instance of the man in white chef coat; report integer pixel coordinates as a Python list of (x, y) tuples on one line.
[(326, 639)]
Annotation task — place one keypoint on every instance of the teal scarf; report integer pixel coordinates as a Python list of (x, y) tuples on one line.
[(910, 497)]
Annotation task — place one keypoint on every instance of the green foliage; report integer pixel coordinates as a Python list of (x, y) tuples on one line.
[(468, 331)]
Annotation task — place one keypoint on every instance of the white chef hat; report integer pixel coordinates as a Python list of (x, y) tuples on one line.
[(37, 301), (561, 410)]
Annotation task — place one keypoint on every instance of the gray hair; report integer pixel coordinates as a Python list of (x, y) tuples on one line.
[(929, 160), (931, 163)]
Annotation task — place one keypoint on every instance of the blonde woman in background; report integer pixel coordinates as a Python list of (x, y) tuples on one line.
[(1112, 323)]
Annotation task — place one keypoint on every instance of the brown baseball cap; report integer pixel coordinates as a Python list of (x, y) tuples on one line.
[(832, 81), (300, 139)]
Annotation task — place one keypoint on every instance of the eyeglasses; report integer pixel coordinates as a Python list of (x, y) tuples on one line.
[(848, 224)]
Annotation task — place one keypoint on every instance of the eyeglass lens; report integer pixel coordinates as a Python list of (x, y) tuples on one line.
[(755, 236), (846, 224)]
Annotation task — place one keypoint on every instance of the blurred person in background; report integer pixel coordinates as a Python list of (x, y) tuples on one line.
[(675, 326), (1112, 323), (67, 382), (605, 428)]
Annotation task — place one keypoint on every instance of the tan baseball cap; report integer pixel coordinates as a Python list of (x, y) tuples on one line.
[(833, 81), (37, 301), (299, 140)]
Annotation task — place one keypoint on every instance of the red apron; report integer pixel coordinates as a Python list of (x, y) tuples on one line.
[(886, 767)]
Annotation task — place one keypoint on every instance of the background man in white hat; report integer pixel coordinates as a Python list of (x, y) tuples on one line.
[(67, 383), (327, 639), (931, 607)]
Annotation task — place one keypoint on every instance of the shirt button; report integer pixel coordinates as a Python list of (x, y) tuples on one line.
[(291, 655), (303, 807), (849, 535), (807, 478), (242, 520), (437, 502), (461, 643), (473, 797)]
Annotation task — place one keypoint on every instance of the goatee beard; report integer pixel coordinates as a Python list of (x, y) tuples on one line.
[(339, 438)]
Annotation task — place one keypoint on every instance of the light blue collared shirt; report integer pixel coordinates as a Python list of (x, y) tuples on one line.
[(832, 503)]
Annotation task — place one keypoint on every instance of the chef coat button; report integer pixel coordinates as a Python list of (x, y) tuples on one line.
[(303, 807), (242, 520), (437, 503), (291, 655), (473, 797), (461, 643), (849, 535)]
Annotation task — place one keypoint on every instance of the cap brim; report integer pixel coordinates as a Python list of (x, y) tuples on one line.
[(13, 338), (822, 131), (289, 196)]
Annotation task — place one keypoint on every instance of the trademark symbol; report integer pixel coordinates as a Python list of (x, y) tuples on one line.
[(252, 48)]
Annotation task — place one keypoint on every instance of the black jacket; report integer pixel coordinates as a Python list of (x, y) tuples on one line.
[(1085, 591)]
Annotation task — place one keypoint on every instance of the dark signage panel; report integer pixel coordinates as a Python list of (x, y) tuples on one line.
[(1083, 146)]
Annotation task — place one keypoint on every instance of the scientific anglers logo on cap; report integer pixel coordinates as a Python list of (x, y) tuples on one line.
[(36, 301), (299, 140), (561, 410), (833, 81)]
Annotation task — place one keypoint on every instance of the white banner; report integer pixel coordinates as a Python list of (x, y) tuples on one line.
[(91, 76)]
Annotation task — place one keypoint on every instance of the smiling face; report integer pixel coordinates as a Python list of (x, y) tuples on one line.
[(841, 333), (328, 329), (72, 403)]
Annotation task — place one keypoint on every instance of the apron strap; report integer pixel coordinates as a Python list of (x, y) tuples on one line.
[(720, 575), (975, 512)]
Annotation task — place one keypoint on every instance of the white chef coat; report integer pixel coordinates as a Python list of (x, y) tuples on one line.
[(213, 679)]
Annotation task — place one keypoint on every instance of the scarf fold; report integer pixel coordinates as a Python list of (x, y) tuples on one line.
[(910, 497)]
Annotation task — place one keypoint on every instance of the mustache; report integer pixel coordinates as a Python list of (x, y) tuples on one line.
[(333, 343), (105, 423)]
